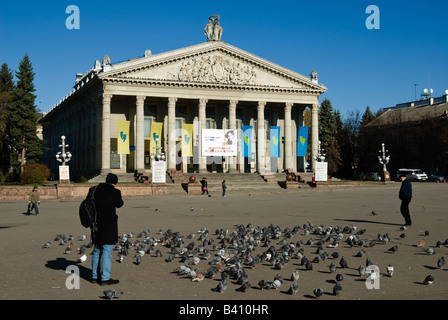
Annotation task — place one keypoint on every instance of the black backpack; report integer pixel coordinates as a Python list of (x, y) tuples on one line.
[(87, 212)]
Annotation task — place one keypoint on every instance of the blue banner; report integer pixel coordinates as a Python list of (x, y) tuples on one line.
[(302, 142), (275, 144), (247, 141)]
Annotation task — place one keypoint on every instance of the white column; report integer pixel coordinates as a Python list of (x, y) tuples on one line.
[(140, 139), (288, 137), (261, 138), (314, 134), (202, 125), (105, 134), (232, 126), (172, 137)]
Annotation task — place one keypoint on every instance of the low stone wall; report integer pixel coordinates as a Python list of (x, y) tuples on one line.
[(66, 191)]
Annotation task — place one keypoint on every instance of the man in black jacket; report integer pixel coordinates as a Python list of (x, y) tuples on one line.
[(107, 199), (405, 196)]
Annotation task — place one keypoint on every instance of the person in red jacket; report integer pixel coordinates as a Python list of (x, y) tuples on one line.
[(107, 199)]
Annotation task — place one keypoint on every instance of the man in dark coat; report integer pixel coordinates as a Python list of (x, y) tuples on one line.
[(107, 199), (405, 196)]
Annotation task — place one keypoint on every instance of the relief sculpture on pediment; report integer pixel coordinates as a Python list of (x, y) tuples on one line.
[(216, 69)]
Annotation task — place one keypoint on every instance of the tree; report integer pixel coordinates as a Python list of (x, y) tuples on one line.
[(368, 147), (350, 144), (328, 133), (6, 88), (24, 144)]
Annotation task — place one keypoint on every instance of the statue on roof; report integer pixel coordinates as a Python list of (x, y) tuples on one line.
[(213, 31)]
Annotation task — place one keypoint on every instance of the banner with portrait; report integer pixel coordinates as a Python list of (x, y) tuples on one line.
[(219, 142)]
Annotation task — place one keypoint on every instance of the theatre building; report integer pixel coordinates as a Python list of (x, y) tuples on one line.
[(210, 107)]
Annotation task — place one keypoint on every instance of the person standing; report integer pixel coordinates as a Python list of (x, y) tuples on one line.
[(224, 188), (107, 200), (405, 195), (34, 201)]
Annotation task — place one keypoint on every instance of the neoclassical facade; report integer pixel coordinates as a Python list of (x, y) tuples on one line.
[(211, 85)]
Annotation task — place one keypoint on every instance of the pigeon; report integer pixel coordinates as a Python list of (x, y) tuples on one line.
[(360, 254), (402, 236), (318, 292), (295, 276), (263, 284), (361, 270), (138, 259), (111, 294), (244, 287), (429, 280), (198, 278), (393, 249), (374, 213), (276, 284), (390, 270), (430, 251), (337, 289), (82, 249), (421, 243), (221, 287), (426, 233), (343, 263), (332, 268), (82, 258), (158, 253), (82, 238), (339, 278), (309, 266), (46, 245), (293, 289), (441, 262)]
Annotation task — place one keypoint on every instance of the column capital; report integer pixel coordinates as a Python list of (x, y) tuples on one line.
[(288, 106), (315, 106), (172, 100), (202, 102), (140, 99), (233, 103), (107, 97), (261, 105)]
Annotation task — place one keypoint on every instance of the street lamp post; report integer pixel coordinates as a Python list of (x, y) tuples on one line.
[(384, 160), (319, 157), (158, 155), (64, 157)]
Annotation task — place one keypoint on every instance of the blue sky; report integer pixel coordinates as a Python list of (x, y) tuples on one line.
[(360, 67)]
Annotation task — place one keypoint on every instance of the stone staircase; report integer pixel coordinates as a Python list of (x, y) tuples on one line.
[(176, 183)]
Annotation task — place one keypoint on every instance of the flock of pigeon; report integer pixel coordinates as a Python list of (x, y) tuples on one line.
[(228, 255)]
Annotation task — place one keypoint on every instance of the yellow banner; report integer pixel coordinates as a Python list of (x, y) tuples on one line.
[(187, 140), (156, 132), (123, 137)]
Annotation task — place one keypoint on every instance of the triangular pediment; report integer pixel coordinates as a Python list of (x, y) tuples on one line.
[(212, 63)]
